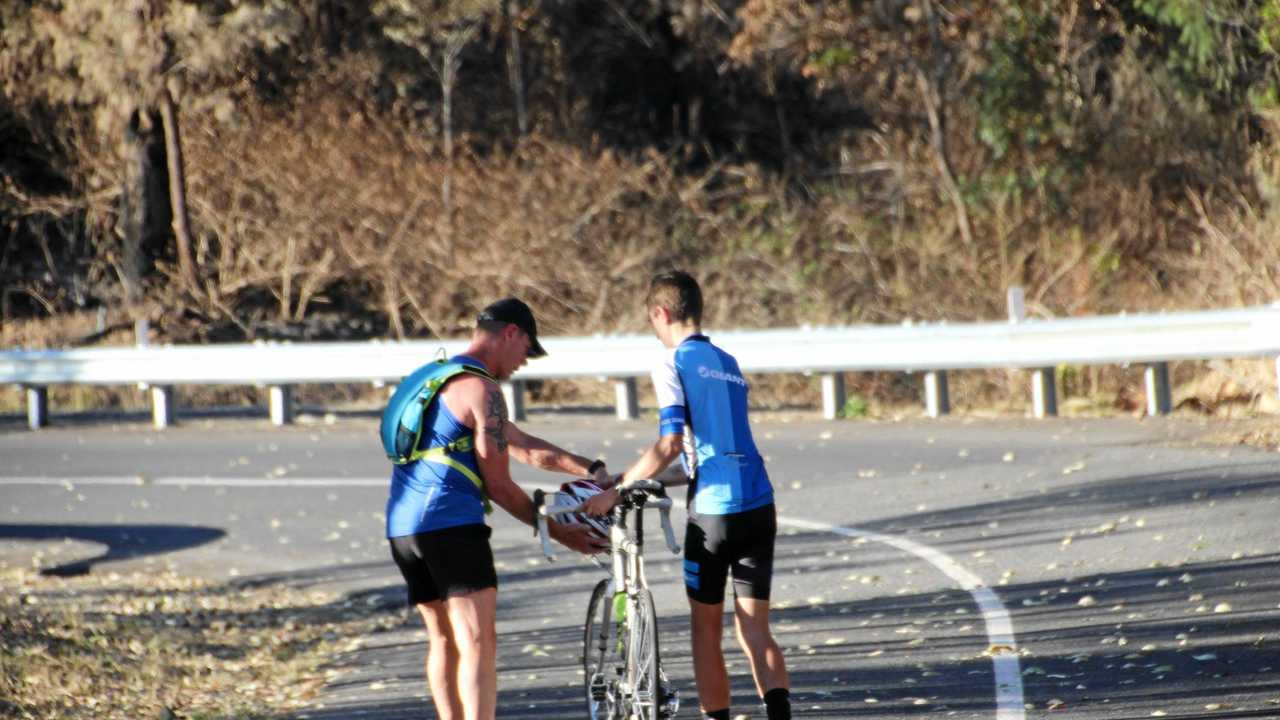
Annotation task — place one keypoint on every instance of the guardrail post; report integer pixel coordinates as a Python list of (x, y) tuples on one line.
[(1159, 399), (624, 391), (37, 407), (1044, 393), (937, 399), (514, 393), (164, 410), (1015, 299), (832, 395), (280, 402)]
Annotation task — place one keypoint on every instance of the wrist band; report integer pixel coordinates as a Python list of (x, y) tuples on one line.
[(595, 465)]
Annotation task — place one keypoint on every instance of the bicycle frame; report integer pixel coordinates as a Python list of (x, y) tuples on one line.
[(627, 581)]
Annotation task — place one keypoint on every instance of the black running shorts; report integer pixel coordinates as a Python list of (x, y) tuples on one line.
[(741, 543), (445, 563)]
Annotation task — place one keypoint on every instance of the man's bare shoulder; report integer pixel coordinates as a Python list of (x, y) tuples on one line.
[(467, 396), (469, 386)]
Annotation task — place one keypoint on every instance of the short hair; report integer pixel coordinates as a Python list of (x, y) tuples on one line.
[(491, 327), (678, 293)]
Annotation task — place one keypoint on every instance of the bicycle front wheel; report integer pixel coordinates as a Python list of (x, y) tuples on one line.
[(602, 660), (645, 698)]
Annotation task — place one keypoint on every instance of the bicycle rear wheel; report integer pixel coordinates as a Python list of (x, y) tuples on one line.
[(646, 696), (602, 659)]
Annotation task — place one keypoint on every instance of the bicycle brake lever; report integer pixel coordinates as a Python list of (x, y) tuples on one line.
[(539, 499), (540, 524), (668, 531)]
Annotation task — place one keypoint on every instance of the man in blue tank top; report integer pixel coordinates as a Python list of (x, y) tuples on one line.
[(435, 512), (702, 416)]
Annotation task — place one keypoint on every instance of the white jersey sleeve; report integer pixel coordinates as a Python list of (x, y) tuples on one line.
[(670, 395)]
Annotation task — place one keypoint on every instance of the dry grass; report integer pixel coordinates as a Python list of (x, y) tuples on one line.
[(1266, 437), (135, 646), (65, 329), (324, 217)]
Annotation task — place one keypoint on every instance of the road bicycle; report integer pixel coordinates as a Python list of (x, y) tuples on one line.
[(620, 654)]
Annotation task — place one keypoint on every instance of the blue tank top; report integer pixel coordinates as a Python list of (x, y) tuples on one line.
[(702, 395), (428, 496)]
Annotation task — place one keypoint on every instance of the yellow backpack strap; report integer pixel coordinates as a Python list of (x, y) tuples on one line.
[(440, 456)]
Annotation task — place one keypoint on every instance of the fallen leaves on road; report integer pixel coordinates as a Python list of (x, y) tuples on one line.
[(159, 645)]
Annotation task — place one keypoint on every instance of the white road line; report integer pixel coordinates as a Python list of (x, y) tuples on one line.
[(143, 481), (1003, 645), (1004, 648)]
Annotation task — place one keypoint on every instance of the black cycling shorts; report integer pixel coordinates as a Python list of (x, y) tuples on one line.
[(741, 543), (445, 563)]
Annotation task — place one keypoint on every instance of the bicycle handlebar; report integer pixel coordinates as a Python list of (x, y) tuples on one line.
[(648, 486)]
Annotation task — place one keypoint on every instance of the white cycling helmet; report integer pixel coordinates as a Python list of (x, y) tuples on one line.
[(575, 493)]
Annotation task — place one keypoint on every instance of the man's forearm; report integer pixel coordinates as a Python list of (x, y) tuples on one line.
[(511, 498), (653, 461), (541, 454), (673, 476)]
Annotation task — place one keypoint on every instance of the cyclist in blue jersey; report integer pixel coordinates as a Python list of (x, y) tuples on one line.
[(435, 513), (702, 401)]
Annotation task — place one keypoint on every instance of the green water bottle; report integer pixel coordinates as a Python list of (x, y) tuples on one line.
[(620, 617), (620, 606)]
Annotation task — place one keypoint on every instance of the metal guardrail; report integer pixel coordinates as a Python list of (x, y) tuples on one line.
[(930, 349)]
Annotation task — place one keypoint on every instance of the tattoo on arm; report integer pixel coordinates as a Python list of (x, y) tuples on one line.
[(495, 422)]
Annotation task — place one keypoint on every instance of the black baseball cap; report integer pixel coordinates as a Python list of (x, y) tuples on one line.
[(515, 312)]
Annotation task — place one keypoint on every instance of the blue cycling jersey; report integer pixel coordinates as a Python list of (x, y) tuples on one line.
[(703, 396), (429, 496)]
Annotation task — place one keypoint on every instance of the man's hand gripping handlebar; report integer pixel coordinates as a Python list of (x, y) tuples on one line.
[(638, 494)]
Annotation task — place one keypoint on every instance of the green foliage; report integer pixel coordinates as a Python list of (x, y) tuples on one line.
[(1053, 89), (855, 406), (1014, 108), (1269, 26), (833, 57), (1221, 49), (1197, 42), (786, 148), (1108, 263), (1030, 110), (1266, 94)]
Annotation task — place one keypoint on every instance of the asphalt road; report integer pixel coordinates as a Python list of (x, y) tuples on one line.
[(1125, 572)]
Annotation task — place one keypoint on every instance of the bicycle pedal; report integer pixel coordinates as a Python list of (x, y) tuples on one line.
[(669, 703), (599, 689)]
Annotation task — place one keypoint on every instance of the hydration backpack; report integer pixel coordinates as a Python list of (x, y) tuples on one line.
[(401, 428)]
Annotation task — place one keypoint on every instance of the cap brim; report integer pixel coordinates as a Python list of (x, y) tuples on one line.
[(535, 348)]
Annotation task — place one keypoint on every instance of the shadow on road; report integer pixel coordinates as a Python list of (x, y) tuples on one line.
[(1179, 640), (123, 541), (1124, 494)]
